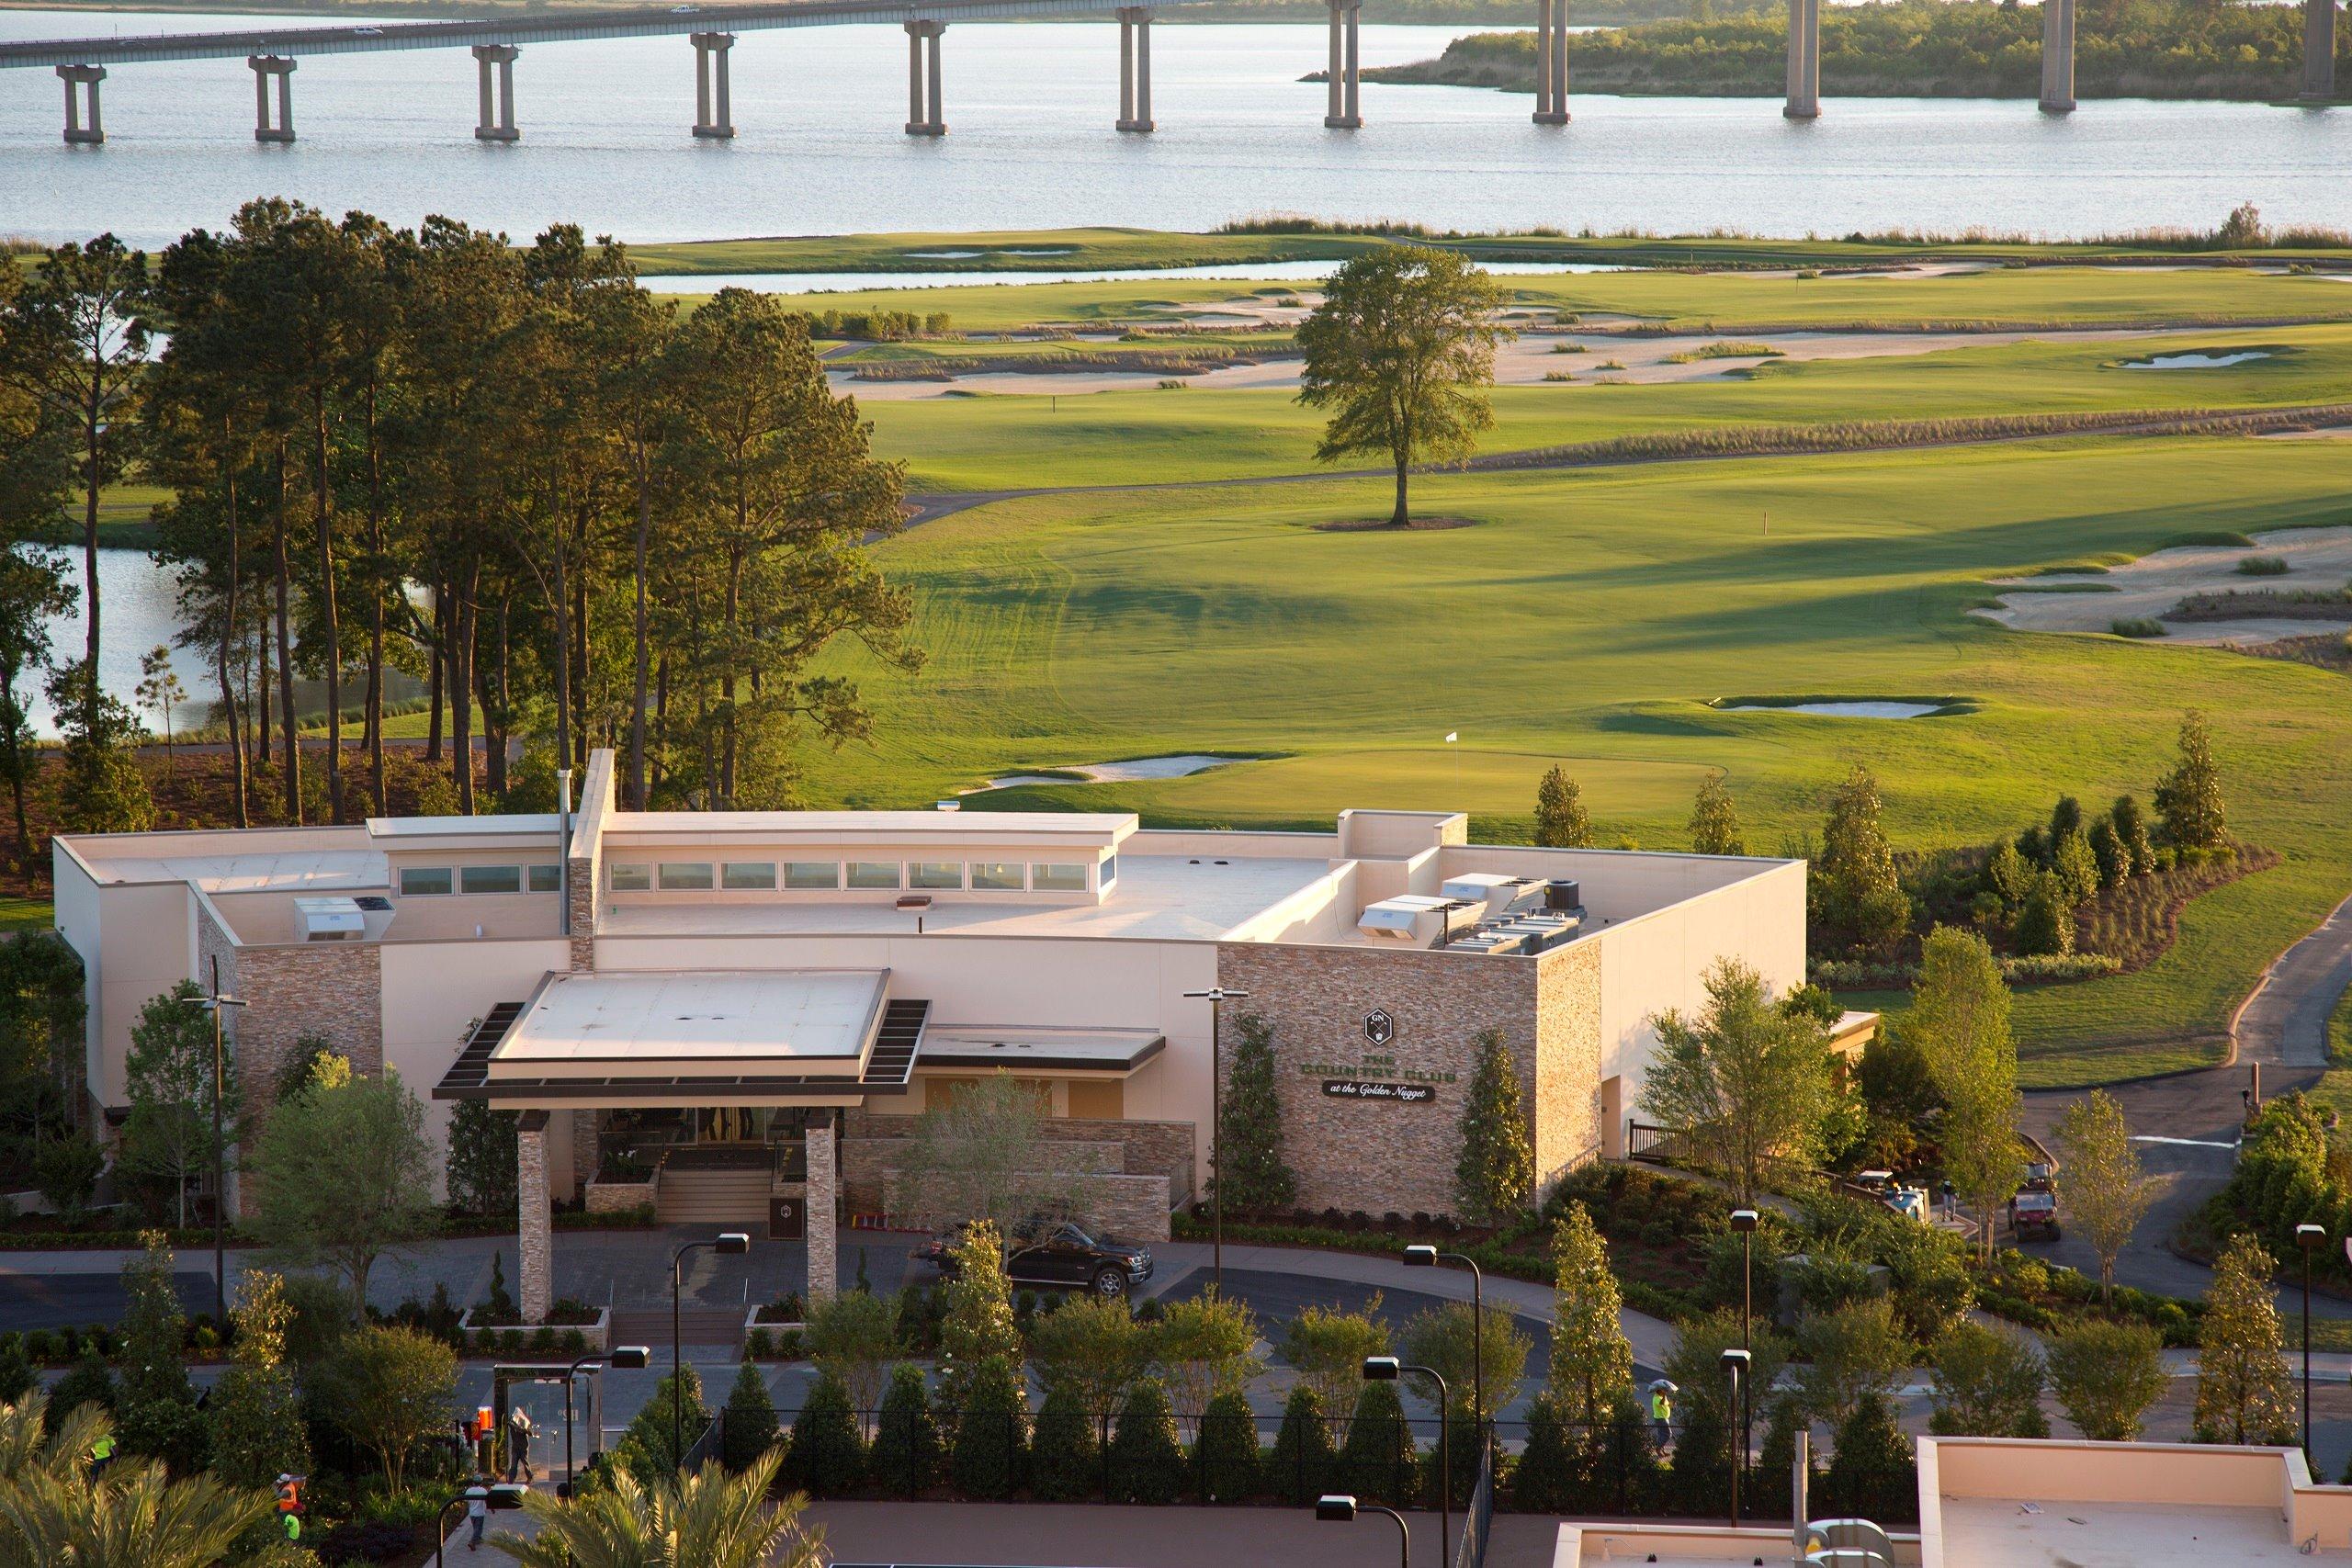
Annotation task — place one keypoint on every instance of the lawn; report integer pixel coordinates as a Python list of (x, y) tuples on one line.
[(1019, 440), (1587, 617)]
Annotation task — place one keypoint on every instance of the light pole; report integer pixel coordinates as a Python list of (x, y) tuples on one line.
[(2310, 1238), (1341, 1508), (1744, 1221), (628, 1357), (1428, 1257), (1216, 995), (1735, 1364), (212, 1003), (728, 1244), (1388, 1368), (498, 1499)]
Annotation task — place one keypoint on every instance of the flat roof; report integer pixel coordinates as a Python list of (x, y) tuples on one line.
[(2021, 1532), (868, 825), (493, 825), (253, 872), (701, 1015), (1165, 898), (1098, 1050)]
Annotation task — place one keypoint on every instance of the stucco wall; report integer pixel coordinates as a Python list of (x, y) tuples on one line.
[(136, 940), (1661, 959)]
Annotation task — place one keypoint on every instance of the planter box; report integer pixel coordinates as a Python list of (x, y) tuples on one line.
[(513, 1341), (618, 1197), (751, 1321)]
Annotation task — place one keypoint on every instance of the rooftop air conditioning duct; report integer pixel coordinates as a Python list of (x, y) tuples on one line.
[(1496, 896), (1415, 918), (329, 919)]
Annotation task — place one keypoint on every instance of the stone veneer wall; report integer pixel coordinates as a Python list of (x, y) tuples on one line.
[(1131, 1174), (330, 990), (1381, 1156)]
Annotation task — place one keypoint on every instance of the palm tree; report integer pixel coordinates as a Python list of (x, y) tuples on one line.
[(709, 1519), (134, 1515)]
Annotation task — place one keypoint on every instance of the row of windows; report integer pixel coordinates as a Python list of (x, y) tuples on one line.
[(430, 881), (829, 876)]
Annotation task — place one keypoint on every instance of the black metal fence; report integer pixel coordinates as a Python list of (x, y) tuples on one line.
[(1470, 1550)]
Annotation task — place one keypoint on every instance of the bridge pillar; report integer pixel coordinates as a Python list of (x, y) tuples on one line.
[(1135, 68), (924, 114), (2319, 51), (1552, 62), (1340, 110), (498, 97), (1805, 61), (75, 78), (266, 66), (713, 121), (2057, 56)]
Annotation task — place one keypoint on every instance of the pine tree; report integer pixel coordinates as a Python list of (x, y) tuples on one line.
[(991, 1432), (906, 1453), (259, 1432), (15, 1368), (1960, 1022), (1859, 894), (2243, 1392), (1252, 1174), (1303, 1460), (2189, 800), (1064, 1451), (1873, 1475), (481, 1158), (1714, 820), (1544, 1481), (1147, 1461), (2131, 832), (2045, 922), (1380, 1458), (1776, 1456), (979, 1322), (2007, 875), (1560, 819), (155, 1413), (1226, 1457), (1496, 1171), (827, 1458), (1592, 1361), (1700, 1480), (749, 1424)]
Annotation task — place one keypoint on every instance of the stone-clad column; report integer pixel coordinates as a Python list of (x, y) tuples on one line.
[(1805, 61), (76, 78), (2057, 56), (714, 112), (823, 1264), (265, 67), (2319, 51), (535, 1243), (496, 98)]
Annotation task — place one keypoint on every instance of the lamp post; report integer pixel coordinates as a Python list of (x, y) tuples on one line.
[(212, 1003), (628, 1357), (1744, 1221), (1735, 1365), (727, 1243), (1428, 1257), (2310, 1238), (499, 1499), (1342, 1508), (1388, 1368), (1216, 995)]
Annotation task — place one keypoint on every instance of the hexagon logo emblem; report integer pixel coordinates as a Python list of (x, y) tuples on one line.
[(1378, 1027)]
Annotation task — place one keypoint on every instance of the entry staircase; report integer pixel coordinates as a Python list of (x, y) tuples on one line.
[(715, 1185)]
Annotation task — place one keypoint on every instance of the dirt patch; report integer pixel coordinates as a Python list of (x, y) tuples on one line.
[(2155, 585), (1384, 525)]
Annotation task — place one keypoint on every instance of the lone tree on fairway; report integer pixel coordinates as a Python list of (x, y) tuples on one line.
[(2106, 1194), (1497, 1170), (1401, 351), (1561, 822), (2189, 800), (1960, 1022), (2243, 1395)]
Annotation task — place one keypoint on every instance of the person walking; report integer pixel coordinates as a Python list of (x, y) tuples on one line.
[(518, 1447), (101, 1454), (477, 1508), (1661, 1413)]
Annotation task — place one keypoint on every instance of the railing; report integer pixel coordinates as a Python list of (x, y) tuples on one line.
[(1651, 1145), (1470, 1550), (706, 1447), (632, 1157)]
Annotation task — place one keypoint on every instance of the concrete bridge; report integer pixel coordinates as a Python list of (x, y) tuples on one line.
[(274, 53)]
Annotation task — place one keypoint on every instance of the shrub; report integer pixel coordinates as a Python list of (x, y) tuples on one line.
[(1378, 1458), (1988, 1385), (906, 1452), (1545, 1479), (2261, 566), (2136, 626), (1225, 1457), (1304, 1459), (991, 1436), (1066, 1454), (749, 1426), (86, 1383), (1146, 1463), (1873, 1474), (759, 1344), (15, 1369), (2106, 1375), (827, 1459)]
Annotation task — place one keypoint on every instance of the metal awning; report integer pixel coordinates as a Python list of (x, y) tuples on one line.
[(965, 1048)]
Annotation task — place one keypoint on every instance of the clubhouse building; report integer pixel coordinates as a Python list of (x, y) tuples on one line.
[(735, 1016)]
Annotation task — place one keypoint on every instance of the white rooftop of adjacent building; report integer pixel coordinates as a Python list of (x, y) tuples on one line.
[(305, 871), (489, 826), (2023, 1532), (868, 827), (1170, 897), (697, 1015)]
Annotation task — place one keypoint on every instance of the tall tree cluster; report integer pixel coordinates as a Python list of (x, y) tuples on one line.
[(574, 514)]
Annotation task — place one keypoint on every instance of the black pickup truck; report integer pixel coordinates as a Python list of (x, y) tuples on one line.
[(1054, 1252)]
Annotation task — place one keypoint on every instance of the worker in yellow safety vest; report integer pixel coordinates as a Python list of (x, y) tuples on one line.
[(1661, 1412)]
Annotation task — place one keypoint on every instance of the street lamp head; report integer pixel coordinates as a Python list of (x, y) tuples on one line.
[(732, 1244), (504, 1495), (1420, 1257), (1382, 1369), (2310, 1236), (1744, 1220), (1218, 994), (630, 1357), (1339, 1508), (1736, 1359)]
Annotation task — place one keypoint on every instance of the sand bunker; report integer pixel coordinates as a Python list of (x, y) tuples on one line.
[(2146, 588)]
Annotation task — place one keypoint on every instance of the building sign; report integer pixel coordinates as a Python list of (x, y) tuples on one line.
[(1370, 1089), (1378, 1027), (787, 1220)]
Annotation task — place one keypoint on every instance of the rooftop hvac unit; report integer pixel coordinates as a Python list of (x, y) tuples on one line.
[(1410, 916), (1495, 896), (1564, 894), (329, 919)]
